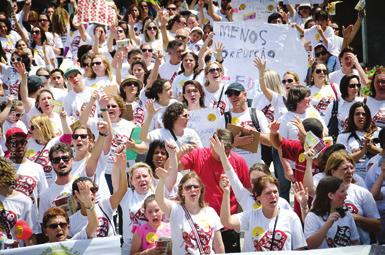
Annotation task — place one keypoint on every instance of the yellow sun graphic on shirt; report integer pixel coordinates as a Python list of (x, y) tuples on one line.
[(301, 157), (317, 37), (211, 117), (151, 237), (257, 231), (256, 205), (29, 153), (235, 120)]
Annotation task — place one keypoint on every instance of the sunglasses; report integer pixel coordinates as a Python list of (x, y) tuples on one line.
[(43, 20), (152, 28), (82, 136), (353, 85), (171, 8), (319, 71), (147, 50), (86, 64), (321, 53), (57, 160), (19, 114), (16, 59), (130, 85), (181, 37), (96, 63), (55, 225), (190, 187), (213, 70), (113, 106), (287, 81), (233, 93), (35, 32)]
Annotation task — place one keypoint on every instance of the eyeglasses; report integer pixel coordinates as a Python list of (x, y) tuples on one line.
[(147, 50), (96, 63), (43, 20), (55, 225), (353, 85), (233, 93), (152, 28), (15, 59), (82, 136), (186, 115), (113, 106), (318, 54), (57, 160), (181, 37), (19, 114), (35, 32), (287, 81), (190, 187), (319, 71), (213, 70)]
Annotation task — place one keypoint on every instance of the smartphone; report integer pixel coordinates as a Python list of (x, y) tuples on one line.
[(123, 43)]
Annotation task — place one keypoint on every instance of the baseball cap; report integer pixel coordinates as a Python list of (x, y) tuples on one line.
[(35, 82), (71, 70), (235, 86), (15, 131)]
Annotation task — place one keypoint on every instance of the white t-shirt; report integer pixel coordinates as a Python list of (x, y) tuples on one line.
[(352, 145), (133, 215), (8, 43), (206, 222), (212, 98), (100, 82), (79, 221), (244, 119), (322, 97), (288, 232), (377, 109), (12, 79), (169, 71), (340, 234), (189, 136), (57, 195), (315, 38), (38, 55), (260, 102), (336, 76), (288, 130), (15, 207), (75, 102)]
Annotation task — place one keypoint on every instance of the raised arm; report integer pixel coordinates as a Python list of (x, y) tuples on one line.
[(20, 68), (84, 196), (155, 70), (275, 139), (163, 19), (85, 114), (119, 176), (131, 31), (170, 181), (211, 12), (147, 121), (64, 123), (164, 203), (4, 114), (228, 220), (260, 64), (92, 161), (103, 101)]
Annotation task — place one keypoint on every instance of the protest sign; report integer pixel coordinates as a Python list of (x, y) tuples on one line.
[(243, 42), (205, 122), (105, 245), (253, 10), (96, 11)]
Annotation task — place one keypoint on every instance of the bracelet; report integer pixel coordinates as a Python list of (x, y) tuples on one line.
[(103, 109), (101, 134), (91, 208)]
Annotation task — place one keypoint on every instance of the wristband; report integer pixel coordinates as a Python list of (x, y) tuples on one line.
[(101, 134), (103, 109), (91, 208)]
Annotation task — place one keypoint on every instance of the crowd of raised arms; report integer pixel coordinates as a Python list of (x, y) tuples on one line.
[(98, 137)]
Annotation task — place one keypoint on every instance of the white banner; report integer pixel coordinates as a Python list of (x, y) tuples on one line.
[(96, 11), (205, 122), (303, 1), (253, 10), (243, 42), (105, 245), (350, 250)]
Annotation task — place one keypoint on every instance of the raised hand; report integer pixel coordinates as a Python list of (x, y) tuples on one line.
[(274, 127), (84, 194), (217, 145), (150, 107), (300, 194), (19, 67), (260, 64), (171, 148), (224, 183), (161, 173)]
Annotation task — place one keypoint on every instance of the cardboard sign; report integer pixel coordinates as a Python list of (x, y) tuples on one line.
[(252, 147)]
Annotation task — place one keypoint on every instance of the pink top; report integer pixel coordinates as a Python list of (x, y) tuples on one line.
[(149, 235)]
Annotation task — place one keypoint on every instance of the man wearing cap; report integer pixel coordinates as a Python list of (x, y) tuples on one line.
[(79, 96), (29, 88), (240, 115), (206, 163), (31, 179)]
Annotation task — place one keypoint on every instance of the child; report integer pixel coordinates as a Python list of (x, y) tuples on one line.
[(11, 115), (196, 42), (147, 235)]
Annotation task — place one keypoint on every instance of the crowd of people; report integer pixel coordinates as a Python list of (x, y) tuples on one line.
[(96, 136)]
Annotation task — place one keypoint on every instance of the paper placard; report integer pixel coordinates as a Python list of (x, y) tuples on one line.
[(252, 147)]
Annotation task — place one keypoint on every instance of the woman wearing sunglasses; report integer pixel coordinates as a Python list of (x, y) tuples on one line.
[(195, 227), (102, 75), (376, 100), (322, 92), (43, 53), (151, 35)]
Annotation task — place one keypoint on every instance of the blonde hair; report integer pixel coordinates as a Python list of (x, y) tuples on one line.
[(7, 172), (273, 82), (106, 63), (208, 67), (135, 166), (336, 159), (185, 178), (44, 125), (60, 21)]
